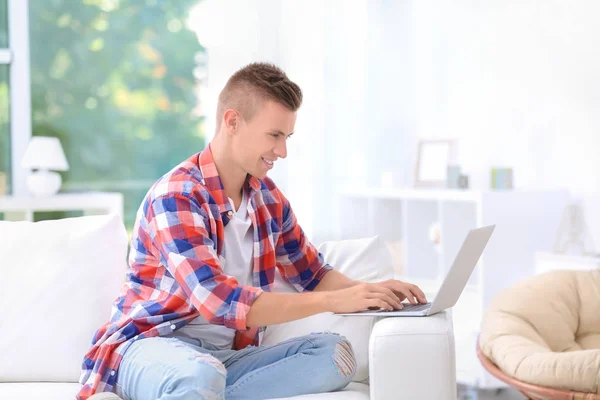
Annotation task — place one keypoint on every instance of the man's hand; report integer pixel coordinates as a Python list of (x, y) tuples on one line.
[(404, 290), (361, 297)]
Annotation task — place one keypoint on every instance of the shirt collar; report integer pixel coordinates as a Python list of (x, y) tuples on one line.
[(211, 180)]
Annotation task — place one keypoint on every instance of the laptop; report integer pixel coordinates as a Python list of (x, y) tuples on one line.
[(453, 284)]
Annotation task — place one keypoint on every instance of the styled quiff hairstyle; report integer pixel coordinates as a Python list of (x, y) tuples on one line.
[(249, 87)]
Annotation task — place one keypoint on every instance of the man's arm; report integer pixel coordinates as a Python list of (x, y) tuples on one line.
[(276, 308), (335, 280)]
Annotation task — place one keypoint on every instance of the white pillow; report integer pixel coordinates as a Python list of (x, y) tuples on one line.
[(367, 260), (59, 279)]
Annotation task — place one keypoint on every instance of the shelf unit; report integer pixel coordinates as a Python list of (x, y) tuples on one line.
[(526, 222)]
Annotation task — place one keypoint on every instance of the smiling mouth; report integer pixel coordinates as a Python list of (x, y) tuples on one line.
[(269, 162)]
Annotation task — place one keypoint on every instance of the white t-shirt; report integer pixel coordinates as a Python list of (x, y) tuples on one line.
[(239, 244)]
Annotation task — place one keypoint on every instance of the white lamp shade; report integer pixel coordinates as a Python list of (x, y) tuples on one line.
[(45, 153)]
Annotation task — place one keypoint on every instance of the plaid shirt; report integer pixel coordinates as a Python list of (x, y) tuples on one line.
[(175, 275)]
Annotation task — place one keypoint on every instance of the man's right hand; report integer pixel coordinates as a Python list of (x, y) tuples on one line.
[(362, 297)]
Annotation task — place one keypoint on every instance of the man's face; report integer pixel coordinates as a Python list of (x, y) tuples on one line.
[(258, 143)]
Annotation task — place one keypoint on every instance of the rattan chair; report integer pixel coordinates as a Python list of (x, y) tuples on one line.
[(532, 392)]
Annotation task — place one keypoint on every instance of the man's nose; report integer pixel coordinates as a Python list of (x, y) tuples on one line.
[(281, 149)]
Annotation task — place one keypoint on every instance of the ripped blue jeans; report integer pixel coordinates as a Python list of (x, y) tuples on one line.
[(162, 368)]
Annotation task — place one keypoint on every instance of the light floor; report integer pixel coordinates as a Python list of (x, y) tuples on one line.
[(465, 393)]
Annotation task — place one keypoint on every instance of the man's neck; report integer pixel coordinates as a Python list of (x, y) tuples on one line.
[(231, 175)]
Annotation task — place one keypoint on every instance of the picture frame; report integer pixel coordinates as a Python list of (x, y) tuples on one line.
[(433, 158)]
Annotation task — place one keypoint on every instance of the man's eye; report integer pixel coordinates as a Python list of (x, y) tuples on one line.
[(275, 134)]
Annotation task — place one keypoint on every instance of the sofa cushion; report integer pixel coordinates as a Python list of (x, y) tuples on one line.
[(37, 391), (58, 281), (367, 260), (62, 391), (354, 391)]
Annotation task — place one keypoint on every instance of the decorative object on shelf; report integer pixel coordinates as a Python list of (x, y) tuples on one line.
[(44, 154), (463, 182), (3, 184), (453, 176), (573, 235), (435, 235), (433, 158), (396, 249), (502, 178)]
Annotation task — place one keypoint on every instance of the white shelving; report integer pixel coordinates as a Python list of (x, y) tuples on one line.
[(22, 207), (526, 222)]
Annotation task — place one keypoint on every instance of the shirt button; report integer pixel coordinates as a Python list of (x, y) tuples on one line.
[(112, 373), (173, 326), (230, 213)]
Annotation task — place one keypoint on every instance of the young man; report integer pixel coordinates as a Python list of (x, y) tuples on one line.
[(207, 240)]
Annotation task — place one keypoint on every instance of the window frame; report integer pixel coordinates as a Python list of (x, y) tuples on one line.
[(16, 57)]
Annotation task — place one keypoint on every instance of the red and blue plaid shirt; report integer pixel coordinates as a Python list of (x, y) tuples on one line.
[(174, 273)]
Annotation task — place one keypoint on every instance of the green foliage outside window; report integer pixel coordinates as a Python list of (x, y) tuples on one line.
[(114, 81), (5, 159)]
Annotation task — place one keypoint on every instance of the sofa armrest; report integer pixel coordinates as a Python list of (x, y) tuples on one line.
[(413, 358)]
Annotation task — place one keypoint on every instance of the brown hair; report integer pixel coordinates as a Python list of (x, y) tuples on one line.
[(250, 86)]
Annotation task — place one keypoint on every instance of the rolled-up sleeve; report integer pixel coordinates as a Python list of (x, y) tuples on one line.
[(179, 232), (298, 260)]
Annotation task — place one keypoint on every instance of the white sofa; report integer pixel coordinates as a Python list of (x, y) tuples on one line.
[(59, 279)]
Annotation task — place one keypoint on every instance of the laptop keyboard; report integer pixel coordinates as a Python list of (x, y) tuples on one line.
[(415, 307)]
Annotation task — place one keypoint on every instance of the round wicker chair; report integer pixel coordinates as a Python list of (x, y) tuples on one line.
[(532, 392), (542, 336)]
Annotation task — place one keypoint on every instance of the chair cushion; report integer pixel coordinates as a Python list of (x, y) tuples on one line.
[(58, 281), (367, 260), (545, 330), (37, 391)]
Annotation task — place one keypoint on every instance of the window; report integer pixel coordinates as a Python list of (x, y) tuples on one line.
[(5, 56), (5, 158), (114, 81)]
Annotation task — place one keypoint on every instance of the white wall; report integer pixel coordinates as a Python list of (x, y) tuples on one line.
[(520, 87)]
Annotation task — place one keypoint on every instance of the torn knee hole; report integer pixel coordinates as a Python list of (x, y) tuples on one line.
[(344, 358), (210, 360)]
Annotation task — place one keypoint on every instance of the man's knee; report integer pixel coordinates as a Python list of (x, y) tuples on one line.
[(344, 358), (205, 380)]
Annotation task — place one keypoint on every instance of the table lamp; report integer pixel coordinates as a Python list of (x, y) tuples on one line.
[(45, 155)]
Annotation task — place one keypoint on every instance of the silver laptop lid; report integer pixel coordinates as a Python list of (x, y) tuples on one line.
[(461, 269)]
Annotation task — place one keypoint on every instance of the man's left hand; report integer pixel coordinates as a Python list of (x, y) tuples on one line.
[(405, 290)]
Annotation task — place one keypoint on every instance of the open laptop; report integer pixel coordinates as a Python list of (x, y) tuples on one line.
[(453, 284)]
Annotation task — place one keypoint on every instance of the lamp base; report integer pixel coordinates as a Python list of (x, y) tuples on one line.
[(44, 183)]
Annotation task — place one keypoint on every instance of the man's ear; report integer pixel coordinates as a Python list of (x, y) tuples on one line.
[(231, 119)]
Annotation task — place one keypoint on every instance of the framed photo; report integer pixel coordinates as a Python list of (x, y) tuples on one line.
[(433, 158)]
